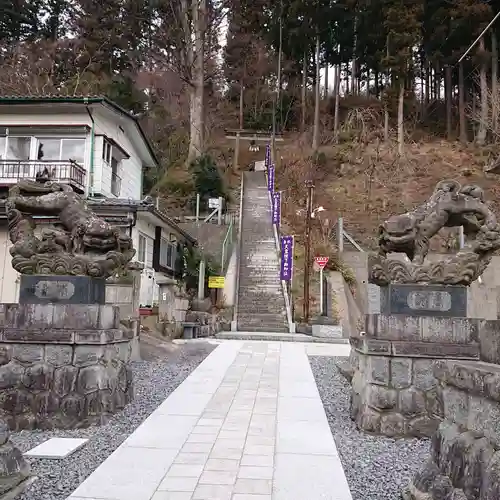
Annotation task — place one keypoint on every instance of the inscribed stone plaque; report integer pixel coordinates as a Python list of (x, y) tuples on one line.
[(37, 289), (373, 299), (424, 300)]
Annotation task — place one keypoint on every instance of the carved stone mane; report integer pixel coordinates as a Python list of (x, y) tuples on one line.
[(450, 205), (84, 244)]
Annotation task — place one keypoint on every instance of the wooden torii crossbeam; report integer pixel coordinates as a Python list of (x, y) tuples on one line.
[(252, 135)]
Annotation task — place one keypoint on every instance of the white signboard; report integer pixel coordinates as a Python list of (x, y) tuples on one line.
[(213, 203)]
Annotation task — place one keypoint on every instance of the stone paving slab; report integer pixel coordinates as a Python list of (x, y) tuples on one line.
[(56, 448), (247, 424)]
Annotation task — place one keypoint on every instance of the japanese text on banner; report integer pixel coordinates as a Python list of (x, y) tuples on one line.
[(268, 156), (276, 207), (270, 179), (286, 258)]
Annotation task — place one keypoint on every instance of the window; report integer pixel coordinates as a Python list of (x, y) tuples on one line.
[(49, 149), (3, 145), (58, 149), (141, 250), (168, 253), (106, 151), (18, 148), (73, 149), (115, 179)]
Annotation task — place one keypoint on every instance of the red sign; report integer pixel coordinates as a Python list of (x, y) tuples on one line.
[(322, 261)]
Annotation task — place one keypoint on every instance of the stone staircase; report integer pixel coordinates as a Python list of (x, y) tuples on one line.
[(261, 305)]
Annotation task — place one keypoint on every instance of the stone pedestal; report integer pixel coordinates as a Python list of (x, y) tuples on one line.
[(14, 470), (62, 366), (465, 450), (38, 289), (394, 391)]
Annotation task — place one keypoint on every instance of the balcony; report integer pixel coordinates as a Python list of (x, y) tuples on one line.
[(65, 172)]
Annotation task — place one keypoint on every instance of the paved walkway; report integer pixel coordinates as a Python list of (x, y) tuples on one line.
[(247, 424)]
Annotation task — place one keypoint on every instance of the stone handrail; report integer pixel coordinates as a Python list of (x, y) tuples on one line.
[(238, 259)]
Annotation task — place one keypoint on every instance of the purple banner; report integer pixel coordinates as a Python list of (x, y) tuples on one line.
[(268, 156), (286, 258), (276, 207), (270, 179)]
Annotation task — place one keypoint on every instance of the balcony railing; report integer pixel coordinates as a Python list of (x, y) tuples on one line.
[(66, 172), (116, 184)]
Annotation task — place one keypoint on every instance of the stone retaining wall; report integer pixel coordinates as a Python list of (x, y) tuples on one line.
[(465, 451), (395, 396), (394, 391), (62, 366)]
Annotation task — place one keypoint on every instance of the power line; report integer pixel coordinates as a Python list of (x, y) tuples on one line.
[(478, 38)]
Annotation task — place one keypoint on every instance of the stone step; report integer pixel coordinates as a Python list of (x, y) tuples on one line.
[(279, 337), (260, 296), (262, 329), (247, 310)]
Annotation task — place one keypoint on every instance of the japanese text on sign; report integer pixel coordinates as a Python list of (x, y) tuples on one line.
[(286, 258), (270, 179), (276, 207), (322, 261), (216, 281)]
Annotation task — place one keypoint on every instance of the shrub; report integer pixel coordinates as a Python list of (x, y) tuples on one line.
[(207, 179)]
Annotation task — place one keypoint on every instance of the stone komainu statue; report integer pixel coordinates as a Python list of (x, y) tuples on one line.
[(82, 244), (450, 205)]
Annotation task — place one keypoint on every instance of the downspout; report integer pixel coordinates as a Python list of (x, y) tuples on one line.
[(92, 141)]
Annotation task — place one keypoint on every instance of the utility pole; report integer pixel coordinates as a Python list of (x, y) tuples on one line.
[(307, 262), (278, 87)]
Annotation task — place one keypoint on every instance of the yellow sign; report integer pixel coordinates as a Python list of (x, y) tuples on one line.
[(216, 281)]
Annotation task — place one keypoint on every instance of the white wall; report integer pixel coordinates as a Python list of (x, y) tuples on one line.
[(9, 278), (148, 230), (130, 170)]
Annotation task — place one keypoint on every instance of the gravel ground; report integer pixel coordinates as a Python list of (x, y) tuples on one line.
[(377, 468), (155, 378)]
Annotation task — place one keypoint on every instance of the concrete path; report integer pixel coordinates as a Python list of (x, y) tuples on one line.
[(247, 424)]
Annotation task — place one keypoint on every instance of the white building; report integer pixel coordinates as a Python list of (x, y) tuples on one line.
[(100, 150)]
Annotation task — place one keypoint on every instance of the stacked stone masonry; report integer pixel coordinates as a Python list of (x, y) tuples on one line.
[(62, 366), (465, 450), (394, 391), (395, 396)]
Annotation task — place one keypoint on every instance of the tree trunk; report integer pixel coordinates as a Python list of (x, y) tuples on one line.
[(481, 133), (474, 112), (494, 84), (437, 83), (337, 102), (427, 83), (347, 90), (401, 131), (448, 97), (326, 81), (315, 142), (304, 93), (461, 104), (197, 87), (238, 135), (386, 104)]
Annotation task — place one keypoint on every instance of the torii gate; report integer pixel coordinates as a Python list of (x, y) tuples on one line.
[(252, 136)]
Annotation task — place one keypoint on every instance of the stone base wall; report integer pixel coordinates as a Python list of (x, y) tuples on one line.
[(14, 470), (465, 451), (62, 366), (395, 396)]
